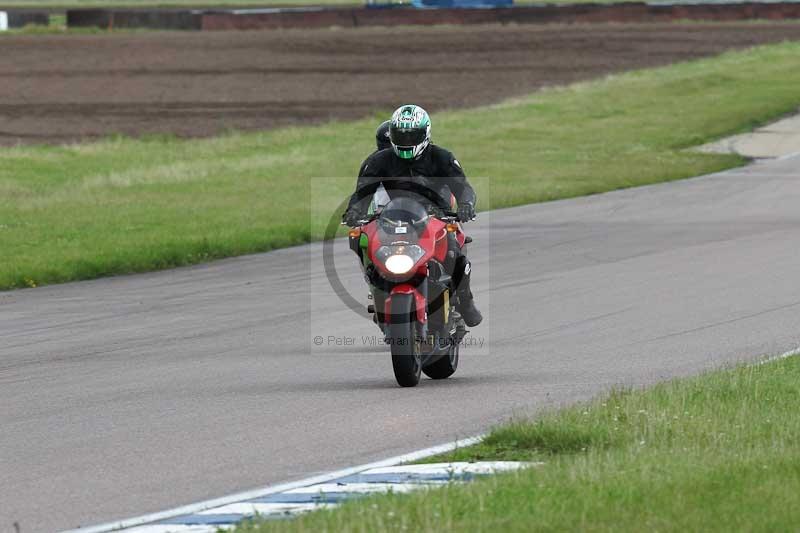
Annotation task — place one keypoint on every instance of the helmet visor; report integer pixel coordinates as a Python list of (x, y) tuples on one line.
[(407, 136)]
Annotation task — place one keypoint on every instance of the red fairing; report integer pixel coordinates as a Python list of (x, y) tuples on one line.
[(461, 237), (433, 241), (433, 238), (371, 229), (440, 253), (426, 242), (419, 302)]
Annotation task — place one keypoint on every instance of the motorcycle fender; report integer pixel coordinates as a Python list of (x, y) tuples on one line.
[(419, 302)]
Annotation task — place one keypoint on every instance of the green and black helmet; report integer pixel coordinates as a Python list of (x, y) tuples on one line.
[(410, 131)]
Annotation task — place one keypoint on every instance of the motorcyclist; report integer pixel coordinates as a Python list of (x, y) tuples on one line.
[(382, 141), (415, 165)]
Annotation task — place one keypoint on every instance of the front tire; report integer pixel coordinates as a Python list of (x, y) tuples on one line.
[(406, 358)]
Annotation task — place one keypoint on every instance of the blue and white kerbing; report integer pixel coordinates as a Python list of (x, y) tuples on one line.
[(324, 491), (397, 480)]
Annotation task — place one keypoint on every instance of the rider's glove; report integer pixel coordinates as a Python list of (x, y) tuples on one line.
[(466, 212), (351, 217)]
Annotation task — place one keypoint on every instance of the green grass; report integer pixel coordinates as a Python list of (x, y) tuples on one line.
[(719, 452), (123, 205)]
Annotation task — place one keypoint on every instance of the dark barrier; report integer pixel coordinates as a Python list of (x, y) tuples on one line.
[(462, 3), (748, 11), (133, 18), (252, 19), (20, 19), (564, 14), (397, 17), (571, 13), (274, 18)]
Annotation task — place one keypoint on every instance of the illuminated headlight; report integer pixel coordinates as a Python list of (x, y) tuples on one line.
[(399, 264), (399, 259)]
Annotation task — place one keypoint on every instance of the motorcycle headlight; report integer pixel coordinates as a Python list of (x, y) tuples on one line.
[(399, 259), (399, 264)]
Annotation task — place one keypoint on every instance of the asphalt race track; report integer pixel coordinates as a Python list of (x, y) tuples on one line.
[(134, 394)]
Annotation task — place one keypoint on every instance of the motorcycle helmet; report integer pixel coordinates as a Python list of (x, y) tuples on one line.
[(410, 131), (382, 136)]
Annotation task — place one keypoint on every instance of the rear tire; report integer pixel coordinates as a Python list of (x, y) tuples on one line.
[(406, 359), (445, 366)]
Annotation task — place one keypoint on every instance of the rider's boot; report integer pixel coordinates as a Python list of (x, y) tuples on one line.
[(469, 312), (466, 303)]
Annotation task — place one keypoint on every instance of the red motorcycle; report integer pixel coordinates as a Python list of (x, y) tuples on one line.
[(408, 256)]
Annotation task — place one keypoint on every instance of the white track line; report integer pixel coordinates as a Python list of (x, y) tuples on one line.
[(773, 358), (272, 489)]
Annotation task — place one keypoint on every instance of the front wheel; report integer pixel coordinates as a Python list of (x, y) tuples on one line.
[(445, 366), (406, 359)]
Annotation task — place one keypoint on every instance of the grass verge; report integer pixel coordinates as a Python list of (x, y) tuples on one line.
[(719, 452), (130, 205)]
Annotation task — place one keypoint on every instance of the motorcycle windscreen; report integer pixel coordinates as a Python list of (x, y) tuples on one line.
[(403, 220)]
